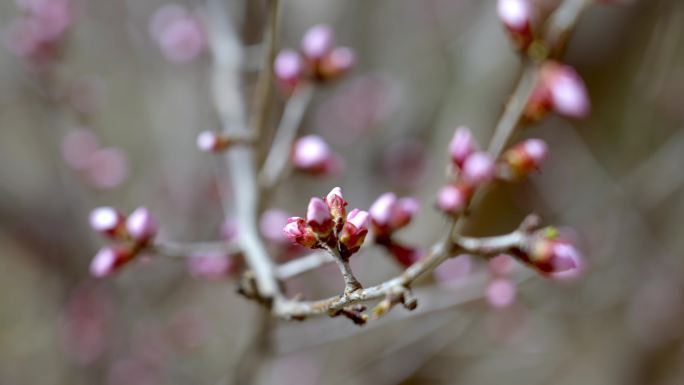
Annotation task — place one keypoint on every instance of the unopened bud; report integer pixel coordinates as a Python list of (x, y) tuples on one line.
[(337, 205), (297, 232), (462, 145), (453, 199), (337, 63), (288, 68), (318, 41), (319, 218), (141, 225), (478, 169), (109, 259), (108, 221), (525, 157), (312, 154), (517, 16), (354, 231), (211, 141)]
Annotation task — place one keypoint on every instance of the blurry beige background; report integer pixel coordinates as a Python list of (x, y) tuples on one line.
[(428, 66)]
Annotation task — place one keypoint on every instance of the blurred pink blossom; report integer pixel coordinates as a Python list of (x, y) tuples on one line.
[(179, 32), (107, 168), (501, 292)]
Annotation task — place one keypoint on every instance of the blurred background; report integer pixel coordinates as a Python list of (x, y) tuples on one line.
[(108, 115)]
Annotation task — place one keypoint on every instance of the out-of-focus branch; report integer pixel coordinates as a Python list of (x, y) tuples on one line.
[(301, 265), (187, 250), (227, 54), (264, 87), (277, 160)]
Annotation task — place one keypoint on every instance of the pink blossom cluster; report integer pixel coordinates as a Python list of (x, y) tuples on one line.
[(130, 235), (388, 215), (179, 32), (37, 34), (101, 167), (328, 225), (319, 59), (476, 168)]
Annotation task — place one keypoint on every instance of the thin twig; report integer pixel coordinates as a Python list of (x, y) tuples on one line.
[(301, 265), (277, 159)]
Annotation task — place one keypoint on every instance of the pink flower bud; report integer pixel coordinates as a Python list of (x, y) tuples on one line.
[(462, 145), (337, 205), (312, 154), (107, 221), (561, 88), (288, 67), (382, 209), (77, 148), (553, 256), (109, 259), (501, 292), (271, 224), (525, 157), (141, 225), (297, 232), (389, 214), (569, 94), (318, 41), (517, 16), (453, 199), (354, 232), (478, 169), (210, 141), (359, 218), (319, 218), (339, 62)]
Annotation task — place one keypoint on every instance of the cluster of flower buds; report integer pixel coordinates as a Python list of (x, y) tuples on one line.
[(318, 60), (311, 154), (475, 168), (389, 214), (180, 33), (101, 167), (327, 225), (518, 18), (558, 88), (37, 35), (131, 234), (551, 255)]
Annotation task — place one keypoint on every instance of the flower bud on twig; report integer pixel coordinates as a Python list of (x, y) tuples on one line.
[(517, 16), (319, 218), (354, 231), (453, 199), (478, 169), (297, 232), (142, 226), (524, 157), (108, 221), (462, 145), (109, 259)]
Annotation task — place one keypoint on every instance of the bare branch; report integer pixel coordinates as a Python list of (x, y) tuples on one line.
[(302, 265), (277, 160)]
